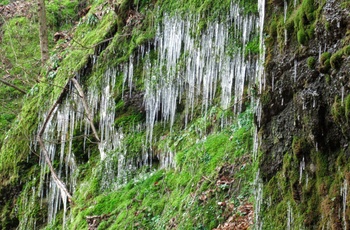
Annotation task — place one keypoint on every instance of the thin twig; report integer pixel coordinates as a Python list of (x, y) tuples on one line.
[(87, 111), (99, 43), (12, 86)]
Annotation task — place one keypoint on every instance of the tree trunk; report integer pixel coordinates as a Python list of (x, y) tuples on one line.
[(44, 47)]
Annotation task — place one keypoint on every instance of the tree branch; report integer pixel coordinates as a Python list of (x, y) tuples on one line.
[(57, 180), (87, 111), (12, 86)]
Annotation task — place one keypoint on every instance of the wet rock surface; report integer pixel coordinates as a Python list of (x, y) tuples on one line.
[(300, 98)]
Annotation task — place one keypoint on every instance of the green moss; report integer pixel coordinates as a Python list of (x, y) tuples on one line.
[(311, 62), (273, 28), (300, 147), (325, 62), (327, 26), (336, 59), (347, 50), (266, 98), (308, 7), (324, 57), (152, 202), (328, 79), (252, 48), (337, 110), (302, 37), (347, 108), (61, 13)]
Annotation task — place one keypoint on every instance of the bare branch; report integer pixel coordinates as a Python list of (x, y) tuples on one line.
[(12, 86), (99, 43), (87, 111), (57, 180)]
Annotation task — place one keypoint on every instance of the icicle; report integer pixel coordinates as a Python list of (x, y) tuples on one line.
[(295, 70), (344, 194), (206, 65), (258, 201), (284, 21), (290, 219), (301, 169), (319, 53)]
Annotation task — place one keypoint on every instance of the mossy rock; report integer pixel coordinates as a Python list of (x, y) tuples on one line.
[(300, 146)]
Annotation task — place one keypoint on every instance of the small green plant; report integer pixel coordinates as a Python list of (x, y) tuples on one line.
[(311, 62), (92, 20)]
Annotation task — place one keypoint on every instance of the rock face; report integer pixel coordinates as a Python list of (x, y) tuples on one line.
[(305, 114)]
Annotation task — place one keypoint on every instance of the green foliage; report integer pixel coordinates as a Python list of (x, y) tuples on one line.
[(61, 13), (252, 47), (4, 2), (20, 47), (92, 19), (311, 62)]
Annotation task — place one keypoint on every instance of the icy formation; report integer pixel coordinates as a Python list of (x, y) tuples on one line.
[(344, 194), (190, 67), (58, 138), (260, 79)]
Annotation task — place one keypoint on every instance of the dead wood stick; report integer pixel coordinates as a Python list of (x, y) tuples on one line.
[(87, 111), (12, 86), (57, 180)]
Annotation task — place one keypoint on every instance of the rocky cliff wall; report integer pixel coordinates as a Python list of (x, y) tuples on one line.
[(305, 120)]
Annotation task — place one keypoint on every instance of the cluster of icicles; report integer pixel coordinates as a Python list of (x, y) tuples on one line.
[(189, 69)]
